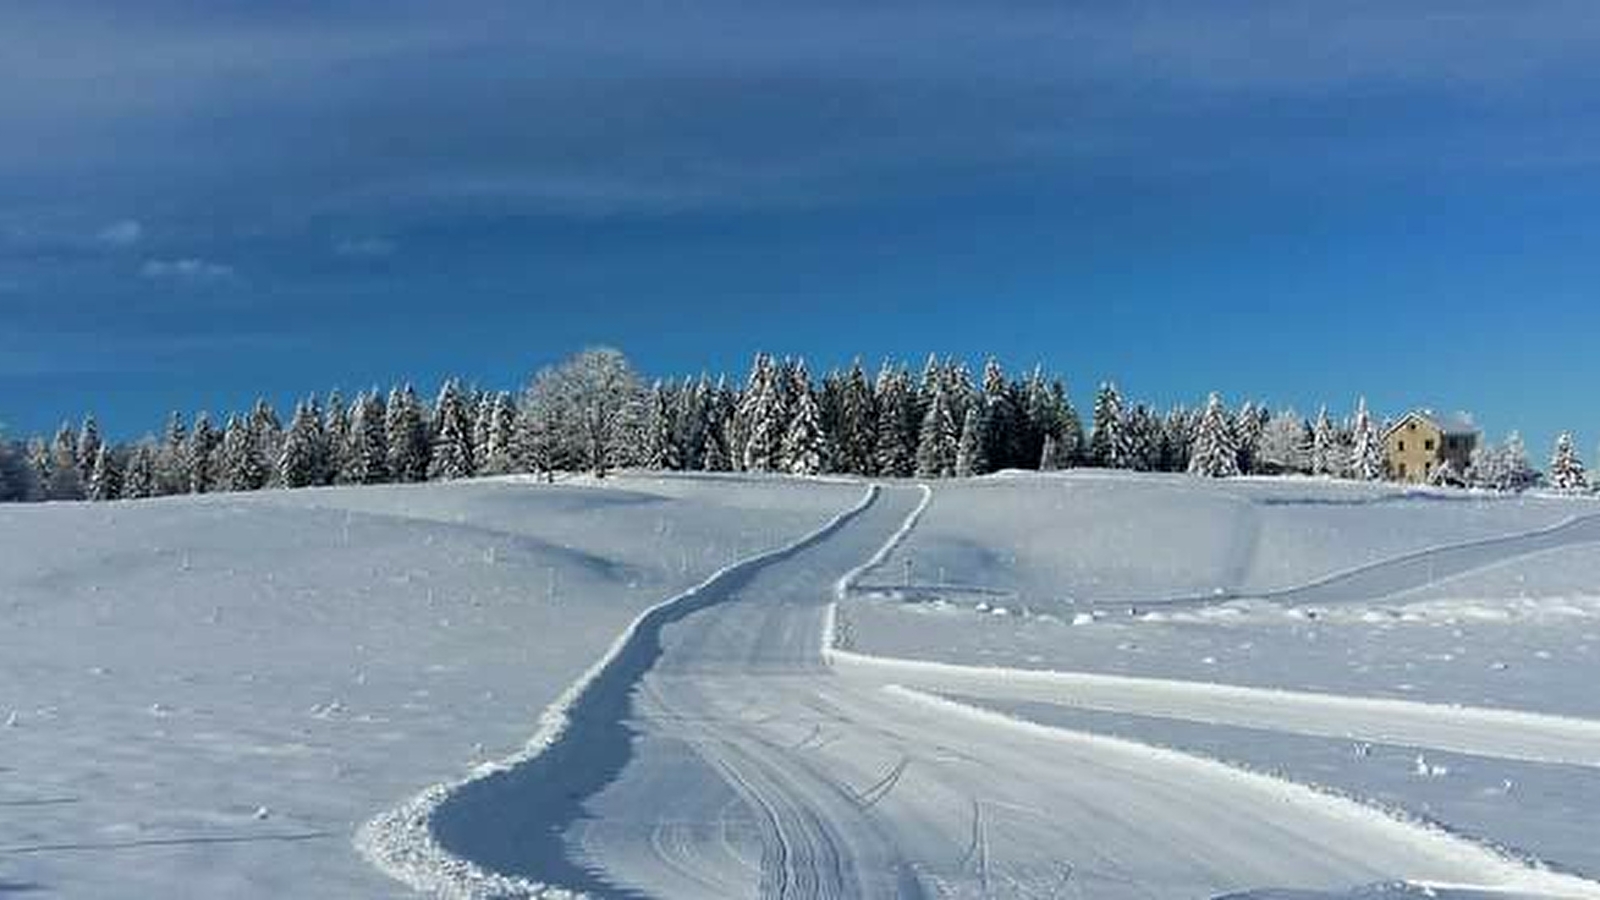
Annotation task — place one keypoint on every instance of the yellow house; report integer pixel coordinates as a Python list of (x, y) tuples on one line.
[(1421, 440)]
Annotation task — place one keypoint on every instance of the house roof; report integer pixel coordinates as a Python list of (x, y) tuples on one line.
[(1458, 423)]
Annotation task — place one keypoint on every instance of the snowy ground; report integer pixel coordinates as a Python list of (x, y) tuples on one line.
[(211, 695), (205, 697)]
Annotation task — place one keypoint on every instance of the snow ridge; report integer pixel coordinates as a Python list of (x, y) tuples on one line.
[(1511, 874), (401, 842), (842, 587)]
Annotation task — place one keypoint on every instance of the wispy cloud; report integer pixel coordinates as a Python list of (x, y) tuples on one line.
[(188, 269), (364, 248), (124, 233)]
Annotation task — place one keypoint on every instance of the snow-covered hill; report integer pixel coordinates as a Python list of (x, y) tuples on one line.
[(210, 696)]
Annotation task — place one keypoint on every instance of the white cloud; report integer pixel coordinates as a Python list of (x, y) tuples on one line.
[(124, 233), (364, 248), (187, 269)]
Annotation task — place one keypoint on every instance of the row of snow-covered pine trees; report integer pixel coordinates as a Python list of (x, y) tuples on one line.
[(593, 413)]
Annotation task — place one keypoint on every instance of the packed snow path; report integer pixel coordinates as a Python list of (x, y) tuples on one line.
[(722, 757)]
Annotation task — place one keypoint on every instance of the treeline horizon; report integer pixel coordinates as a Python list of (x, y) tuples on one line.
[(594, 413)]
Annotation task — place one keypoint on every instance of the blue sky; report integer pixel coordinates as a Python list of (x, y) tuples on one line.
[(1295, 202)]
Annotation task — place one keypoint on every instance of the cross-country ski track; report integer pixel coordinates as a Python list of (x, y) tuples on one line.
[(722, 749)]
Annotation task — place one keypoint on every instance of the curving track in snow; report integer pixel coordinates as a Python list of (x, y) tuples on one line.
[(725, 757)]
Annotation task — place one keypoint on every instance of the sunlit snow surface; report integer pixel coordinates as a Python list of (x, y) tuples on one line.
[(208, 697)]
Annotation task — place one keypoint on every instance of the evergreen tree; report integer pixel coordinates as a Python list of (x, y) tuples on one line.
[(19, 480), (804, 447), (1325, 456), (938, 441), (1000, 421), (201, 455), (140, 480), (1445, 474), (89, 443), (898, 424), (1069, 432), (716, 451), (1142, 432), (976, 431), (172, 463), (858, 424), (1566, 469), (267, 431), (405, 428), (1177, 437), (689, 422), (300, 460), (105, 482), (1366, 456), (452, 436), (367, 455), (242, 468), (64, 481), (661, 442), (1108, 445), (1518, 473), (1248, 428), (761, 418), (1213, 454), (336, 431), (501, 453)]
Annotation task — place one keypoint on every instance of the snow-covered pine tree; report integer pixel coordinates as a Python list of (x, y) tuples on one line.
[(241, 465), (804, 445), (1213, 454), (1566, 469), (1000, 420), (858, 424), (1248, 427), (201, 455), (105, 482), (761, 414), (366, 457), (1518, 474), (336, 431), (690, 417), (1142, 432), (715, 452), (501, 451), (300, 460), (65, 482), (938, 440), (37, 457), (267, 431), (89, 443), (406, 434), (897, 422), (452, 436), (1325, 456), (1107, 444), (976, 432), (1069, 432), (19, 481), (1366, 456), (1039, 417), (172, 465), (959, 393), (139, 481), (661, 444), (480, 407)]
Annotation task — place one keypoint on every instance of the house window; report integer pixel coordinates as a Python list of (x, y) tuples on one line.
[(1402, 446), (1402, 470), (1427, 444), (1411, 426)]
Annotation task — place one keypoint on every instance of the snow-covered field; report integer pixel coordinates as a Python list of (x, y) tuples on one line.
[(1246, 688), (206, 696)]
